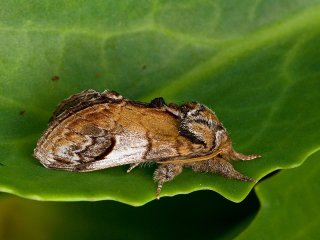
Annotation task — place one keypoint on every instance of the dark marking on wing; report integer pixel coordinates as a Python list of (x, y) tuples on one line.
[(107, 150), (100, 147)]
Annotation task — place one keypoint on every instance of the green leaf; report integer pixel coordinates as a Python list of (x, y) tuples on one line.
[(256, 65), (289, 204)]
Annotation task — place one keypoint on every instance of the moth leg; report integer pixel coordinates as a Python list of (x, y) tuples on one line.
[(132, 166), (219, 166), (165, 173), (233, 155)]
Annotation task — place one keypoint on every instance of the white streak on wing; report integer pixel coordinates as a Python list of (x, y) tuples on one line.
[(128, 149), (65, 153)]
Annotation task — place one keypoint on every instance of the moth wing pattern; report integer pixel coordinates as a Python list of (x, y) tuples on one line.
[(73, 102)]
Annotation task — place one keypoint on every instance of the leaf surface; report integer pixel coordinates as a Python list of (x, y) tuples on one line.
[(256, 65), (289, 204)]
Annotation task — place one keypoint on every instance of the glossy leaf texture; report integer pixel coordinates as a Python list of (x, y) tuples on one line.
[(255, 64), (289, 204)]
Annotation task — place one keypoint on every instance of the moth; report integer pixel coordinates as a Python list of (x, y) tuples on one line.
[(91, 131)]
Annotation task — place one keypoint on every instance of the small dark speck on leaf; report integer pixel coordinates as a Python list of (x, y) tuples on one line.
[(144, 67), (99, 74), (55, 78), (22, 112), (1, 164)]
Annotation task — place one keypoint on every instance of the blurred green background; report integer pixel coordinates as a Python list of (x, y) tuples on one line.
[(202, 214)]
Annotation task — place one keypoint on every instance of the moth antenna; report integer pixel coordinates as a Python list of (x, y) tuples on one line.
[(195, 159)]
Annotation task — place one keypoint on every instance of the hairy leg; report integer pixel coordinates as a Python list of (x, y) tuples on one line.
[(132, 166), (219, 166), (165, 173)]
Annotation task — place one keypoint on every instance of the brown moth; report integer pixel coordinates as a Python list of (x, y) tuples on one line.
[(91, 131)]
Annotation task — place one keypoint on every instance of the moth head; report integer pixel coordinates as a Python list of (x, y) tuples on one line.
[(202, 126)]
